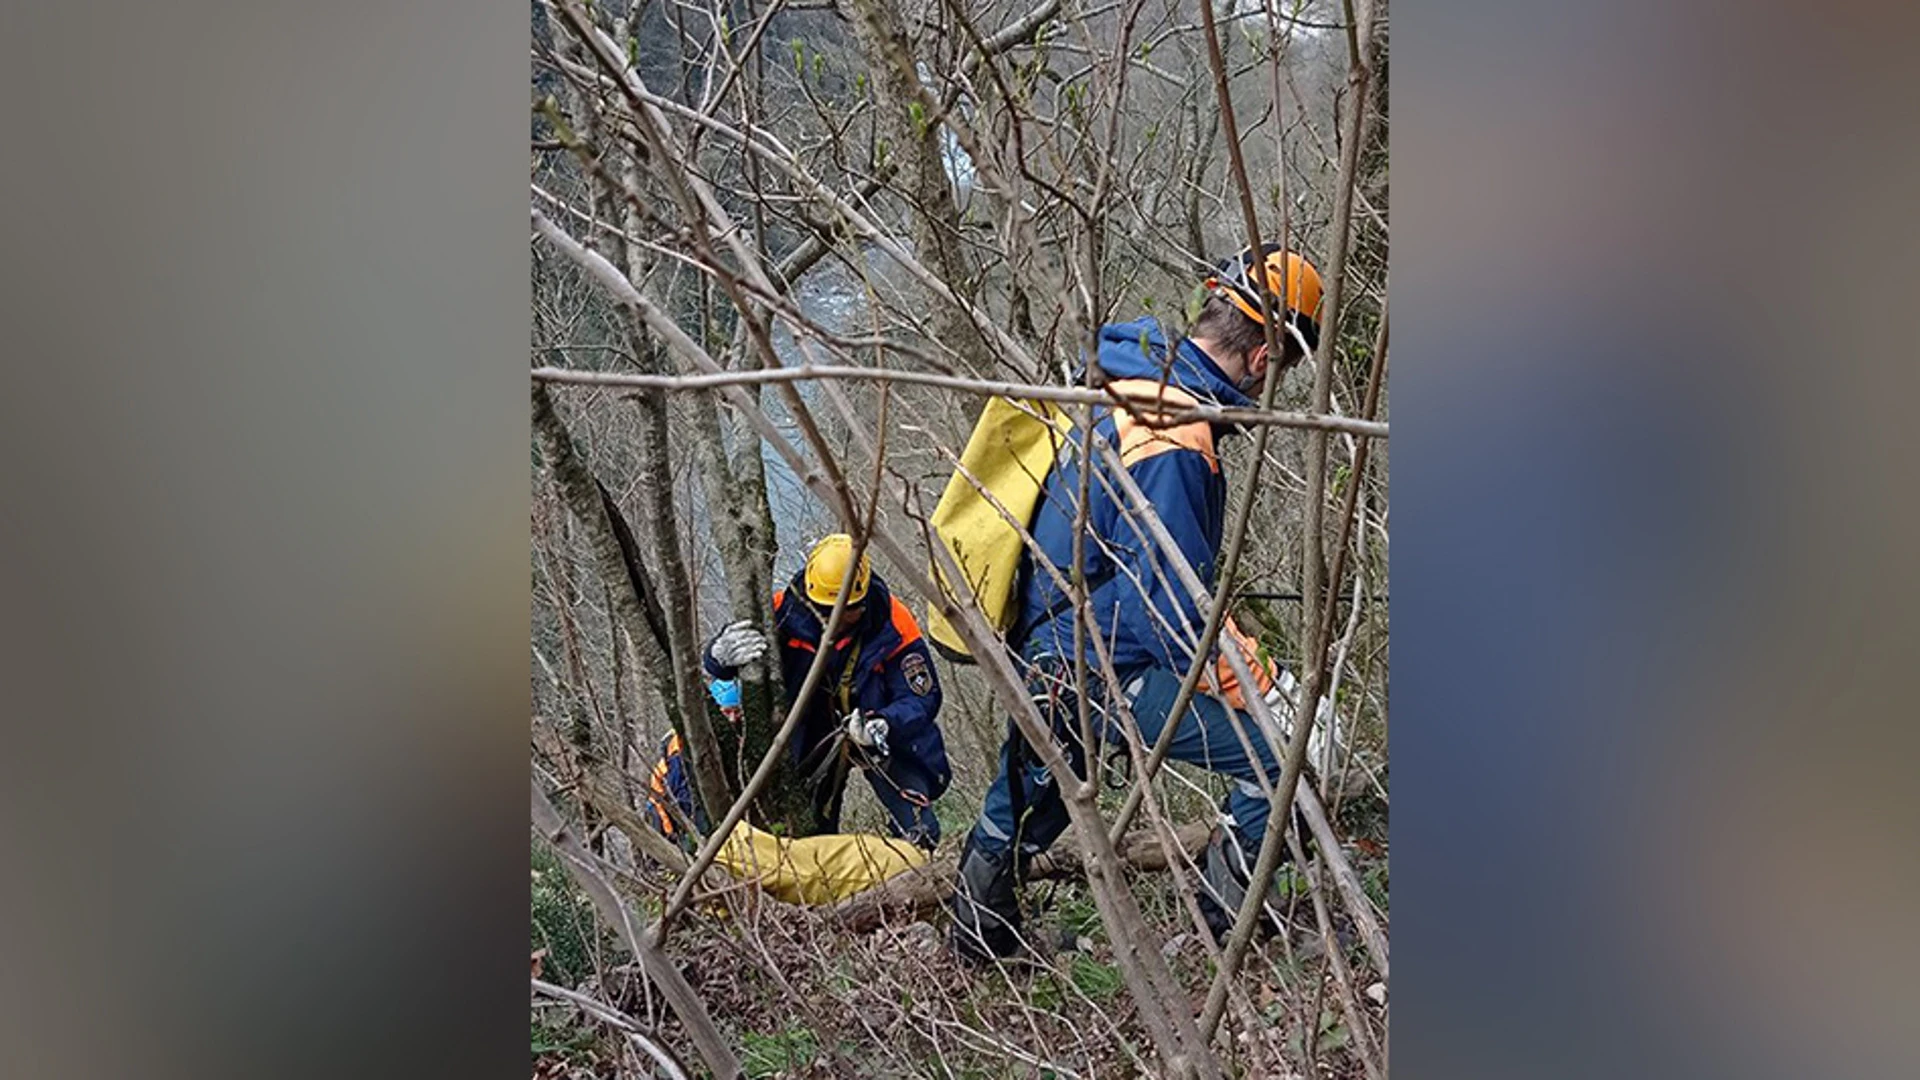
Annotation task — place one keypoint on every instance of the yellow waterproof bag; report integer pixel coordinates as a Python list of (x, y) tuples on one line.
[(815, 869), (988, 503)]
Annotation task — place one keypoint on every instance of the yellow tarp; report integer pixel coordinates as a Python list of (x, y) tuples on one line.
[(1009, 454), (815, 869)]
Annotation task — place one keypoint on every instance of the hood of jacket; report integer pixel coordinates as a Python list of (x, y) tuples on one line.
[(1139, 350)]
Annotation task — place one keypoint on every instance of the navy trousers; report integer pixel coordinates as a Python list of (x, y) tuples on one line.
[(1035, 814)]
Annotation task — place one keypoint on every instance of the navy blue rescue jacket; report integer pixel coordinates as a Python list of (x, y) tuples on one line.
[(1139, 608), (894, 676)]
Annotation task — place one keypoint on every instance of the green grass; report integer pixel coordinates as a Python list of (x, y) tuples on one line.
[(1374, 882), (565, 1039), (1332, 1035), (1096, 980), (1077, 913), (769, 1055), (956, 816), (1088, 977), (564, 924), (1046, 994)]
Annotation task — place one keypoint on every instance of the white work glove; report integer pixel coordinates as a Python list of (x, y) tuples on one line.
[(738, 644), (1280, 700), (868, 730)]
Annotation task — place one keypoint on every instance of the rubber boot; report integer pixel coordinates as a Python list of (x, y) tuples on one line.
[(986, 915), (1223, 886), (1224, 874)]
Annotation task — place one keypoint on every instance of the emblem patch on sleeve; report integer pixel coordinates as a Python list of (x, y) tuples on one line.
[(919, 676)]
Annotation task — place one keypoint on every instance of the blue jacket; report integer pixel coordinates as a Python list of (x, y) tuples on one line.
[(895, 677), (671, 785), (1138, 605)]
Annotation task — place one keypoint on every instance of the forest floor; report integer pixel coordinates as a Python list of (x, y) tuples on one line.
[(799, 997)]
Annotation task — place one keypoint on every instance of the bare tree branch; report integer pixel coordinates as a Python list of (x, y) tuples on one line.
[(1314, 630), (631, 927), (1152, 411), (626, 1024)]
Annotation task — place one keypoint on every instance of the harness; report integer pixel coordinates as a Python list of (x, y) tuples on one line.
[(824, 771)]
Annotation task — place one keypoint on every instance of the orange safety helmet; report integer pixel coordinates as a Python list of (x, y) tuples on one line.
[(1284, 273)]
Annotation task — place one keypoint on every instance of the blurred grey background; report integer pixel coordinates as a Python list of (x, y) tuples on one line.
[(265, 512)]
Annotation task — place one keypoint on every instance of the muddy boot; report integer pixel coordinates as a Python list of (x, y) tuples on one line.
[(986, 916)]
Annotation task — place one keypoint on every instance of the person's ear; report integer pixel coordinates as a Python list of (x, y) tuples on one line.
[(1257, 362)]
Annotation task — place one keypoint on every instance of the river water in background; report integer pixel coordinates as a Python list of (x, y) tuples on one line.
[(831, 296)]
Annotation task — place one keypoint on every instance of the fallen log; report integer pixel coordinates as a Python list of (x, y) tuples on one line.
[(917, 892)]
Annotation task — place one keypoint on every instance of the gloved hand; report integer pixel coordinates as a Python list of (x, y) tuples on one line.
[(868, 730), (738, 644), (1280, 700)]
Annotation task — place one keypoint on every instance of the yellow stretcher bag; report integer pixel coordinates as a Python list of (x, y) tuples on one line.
[(1012, 449), (815, 869)]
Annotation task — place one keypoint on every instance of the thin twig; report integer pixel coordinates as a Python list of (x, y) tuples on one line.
[(627, 1025), (1153, 412), (631, 926)]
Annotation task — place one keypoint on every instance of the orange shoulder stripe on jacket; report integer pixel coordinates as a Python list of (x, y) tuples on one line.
[(660, 796), (904, 625), (1139, 441)]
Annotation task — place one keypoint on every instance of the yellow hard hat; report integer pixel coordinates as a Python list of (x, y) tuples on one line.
[(827, 568)]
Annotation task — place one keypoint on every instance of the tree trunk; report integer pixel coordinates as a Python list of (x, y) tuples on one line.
[(743, 530), (915, 894), (912, 136), (635, 603), (709, 748)]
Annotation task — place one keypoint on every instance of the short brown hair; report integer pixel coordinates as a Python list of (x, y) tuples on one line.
[(1221, 322)]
